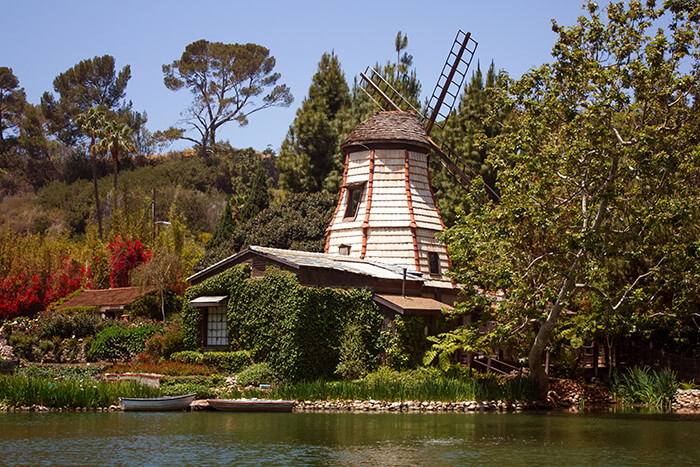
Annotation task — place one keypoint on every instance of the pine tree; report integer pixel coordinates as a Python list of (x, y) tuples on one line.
[(309, 152)]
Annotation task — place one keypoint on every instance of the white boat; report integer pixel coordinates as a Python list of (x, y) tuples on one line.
[(156, 404), (251, 405)]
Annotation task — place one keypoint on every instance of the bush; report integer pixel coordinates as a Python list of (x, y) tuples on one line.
[(115, 343), (25, 346), (228, 362), (256, 374), (172, 343), (73, 322), (188, 356)]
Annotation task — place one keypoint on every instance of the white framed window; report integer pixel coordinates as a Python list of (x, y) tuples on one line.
[(217, 332)]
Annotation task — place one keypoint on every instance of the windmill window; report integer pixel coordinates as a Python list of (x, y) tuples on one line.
[(434, 263), (344, 250), (353, 201)]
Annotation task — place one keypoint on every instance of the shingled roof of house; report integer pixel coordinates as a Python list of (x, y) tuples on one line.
[(389, 127), (105, 297)]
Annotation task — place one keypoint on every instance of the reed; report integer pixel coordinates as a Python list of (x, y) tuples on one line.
[(436, 389), (654, 389), (18, 391)]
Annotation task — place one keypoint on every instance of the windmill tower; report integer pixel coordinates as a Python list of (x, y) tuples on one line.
[(387, 211)]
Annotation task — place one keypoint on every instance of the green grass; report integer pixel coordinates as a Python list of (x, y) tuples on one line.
[(654, 389), (17, 391)]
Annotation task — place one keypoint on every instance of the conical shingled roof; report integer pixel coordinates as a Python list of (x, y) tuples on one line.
[(396, 127)]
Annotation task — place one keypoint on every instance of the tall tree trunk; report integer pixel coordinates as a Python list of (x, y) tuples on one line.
[(93, 158), (537, 371), (115, 157)]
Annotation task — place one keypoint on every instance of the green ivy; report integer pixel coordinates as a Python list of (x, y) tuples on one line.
[(298, 330)]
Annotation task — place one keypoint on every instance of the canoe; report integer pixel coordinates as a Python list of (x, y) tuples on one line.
[(156, 404), (251, 405)]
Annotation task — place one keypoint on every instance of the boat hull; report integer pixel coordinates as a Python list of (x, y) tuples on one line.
[(243, 405), (156, 404)]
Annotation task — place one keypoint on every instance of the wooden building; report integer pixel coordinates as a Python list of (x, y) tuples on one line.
[(110, 303)]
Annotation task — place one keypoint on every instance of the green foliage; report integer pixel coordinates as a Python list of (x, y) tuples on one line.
[(655, 389), (299, 223), (407, 343), (298, 329), (256, 374), (61, 372), (116, 343), (228, 362), (355, 359), (446, 344), (202, 391), (188, 356), (415, 385)]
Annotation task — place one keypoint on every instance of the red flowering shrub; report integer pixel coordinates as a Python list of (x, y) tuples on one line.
[(125, 255), (26, 293)]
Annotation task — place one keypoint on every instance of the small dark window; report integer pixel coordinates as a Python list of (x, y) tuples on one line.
[(344, 250), (434, 263), (354, 197)]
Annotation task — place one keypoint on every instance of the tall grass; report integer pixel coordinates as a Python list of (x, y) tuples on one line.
[(434, 389), (654, 389), (17, 391)]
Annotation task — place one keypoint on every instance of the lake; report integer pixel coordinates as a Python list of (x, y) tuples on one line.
[(216, 438)]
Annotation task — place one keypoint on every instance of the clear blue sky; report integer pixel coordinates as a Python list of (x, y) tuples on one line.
[(45, 38)]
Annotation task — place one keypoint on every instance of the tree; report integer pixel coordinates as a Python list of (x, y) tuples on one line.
[(92, 123), (116, 137), (161, 274), (599, 180), (90, 83), (225, 80), (400, 43), (12, 102), (310, 151)]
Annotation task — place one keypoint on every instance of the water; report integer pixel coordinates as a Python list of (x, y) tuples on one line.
[(214, 438)]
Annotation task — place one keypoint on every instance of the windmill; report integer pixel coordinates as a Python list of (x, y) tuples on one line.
[(387, 210)]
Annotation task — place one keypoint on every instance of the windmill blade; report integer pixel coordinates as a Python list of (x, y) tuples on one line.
[(449, 84), (454, 164), (382, 93)]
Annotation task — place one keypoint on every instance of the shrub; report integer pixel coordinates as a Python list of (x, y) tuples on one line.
[(188, 356), (25, 346), (115, 343), (172, 343), (256, 374), (73, 322), (228, 362)]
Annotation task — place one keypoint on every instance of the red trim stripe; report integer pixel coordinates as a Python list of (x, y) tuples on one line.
[(365, 224), (412, 225), (340, 201)]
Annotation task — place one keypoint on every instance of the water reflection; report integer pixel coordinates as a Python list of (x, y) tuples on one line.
[(212, 438)]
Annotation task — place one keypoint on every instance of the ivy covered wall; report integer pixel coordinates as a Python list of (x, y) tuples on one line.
[(299, 330)]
